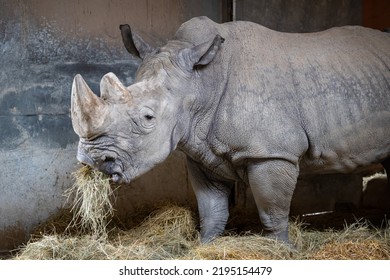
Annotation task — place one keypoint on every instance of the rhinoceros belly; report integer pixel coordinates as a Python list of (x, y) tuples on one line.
[(351, 148)]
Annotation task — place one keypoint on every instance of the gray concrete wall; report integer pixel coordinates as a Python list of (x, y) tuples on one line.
[(43, 44), (300, 15)]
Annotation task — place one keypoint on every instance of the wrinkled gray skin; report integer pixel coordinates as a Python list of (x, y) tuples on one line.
[(258, 107)]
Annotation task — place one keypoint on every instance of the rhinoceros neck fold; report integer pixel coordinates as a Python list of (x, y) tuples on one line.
[(209, 90)]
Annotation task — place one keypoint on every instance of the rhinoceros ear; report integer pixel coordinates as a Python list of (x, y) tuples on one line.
[(204, 53), (134, 44), (89, 112), (112, 90)]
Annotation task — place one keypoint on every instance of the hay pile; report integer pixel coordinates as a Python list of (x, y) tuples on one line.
[(356, 242), (167, 233), (170, 232)]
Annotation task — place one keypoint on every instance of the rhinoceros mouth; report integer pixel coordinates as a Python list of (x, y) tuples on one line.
[(117, 175), (85, 159), (109, 168), (116, 178), (119, 178)]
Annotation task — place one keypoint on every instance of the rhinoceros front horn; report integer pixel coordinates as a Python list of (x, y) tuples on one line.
[(89, 112)]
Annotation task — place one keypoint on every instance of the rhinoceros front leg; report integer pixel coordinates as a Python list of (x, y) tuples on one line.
[(272, 183), (213, 199)]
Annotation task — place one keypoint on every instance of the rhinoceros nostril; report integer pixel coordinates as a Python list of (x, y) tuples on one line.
[(108, 159)]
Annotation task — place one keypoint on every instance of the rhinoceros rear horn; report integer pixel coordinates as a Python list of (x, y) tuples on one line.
[(134, 44), (112, 90), (89, 112)]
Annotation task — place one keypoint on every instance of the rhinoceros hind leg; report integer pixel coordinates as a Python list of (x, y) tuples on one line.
[(272, 183)]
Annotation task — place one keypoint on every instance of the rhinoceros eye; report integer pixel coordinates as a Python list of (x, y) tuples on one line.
[(148, 119)]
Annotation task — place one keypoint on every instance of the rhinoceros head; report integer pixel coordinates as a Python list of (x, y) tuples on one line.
[(125, 131), (128, 130)]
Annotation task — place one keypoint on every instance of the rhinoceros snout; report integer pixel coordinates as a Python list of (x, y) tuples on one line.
[(111, 167), (85, 159), (108, 167)]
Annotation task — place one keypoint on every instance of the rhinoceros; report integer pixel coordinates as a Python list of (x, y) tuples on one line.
[(244, 103)]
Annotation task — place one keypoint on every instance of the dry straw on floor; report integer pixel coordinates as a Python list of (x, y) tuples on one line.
[(170, 232), (355, 242)]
